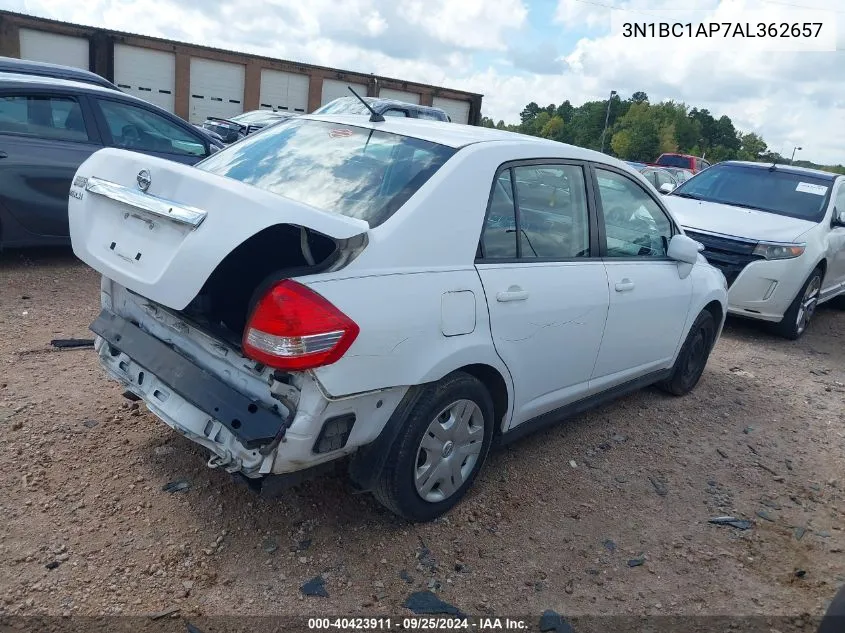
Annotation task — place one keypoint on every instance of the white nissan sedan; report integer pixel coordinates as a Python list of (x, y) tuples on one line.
[(406, 292)]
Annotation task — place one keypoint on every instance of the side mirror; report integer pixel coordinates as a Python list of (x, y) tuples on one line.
[(667, 187), (684, 249), (838, 217)]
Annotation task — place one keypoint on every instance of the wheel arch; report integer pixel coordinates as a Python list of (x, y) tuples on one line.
[(368, 461)]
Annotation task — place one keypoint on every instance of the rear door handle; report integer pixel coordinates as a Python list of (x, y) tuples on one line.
[(625, 285), (514, 293), (3, 154)]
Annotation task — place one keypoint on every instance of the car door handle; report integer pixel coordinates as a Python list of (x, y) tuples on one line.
[(3, 154), (625, 285), (514, 293)]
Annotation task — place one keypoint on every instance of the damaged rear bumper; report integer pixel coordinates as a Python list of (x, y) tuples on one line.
[(253, 422), (250, 422)]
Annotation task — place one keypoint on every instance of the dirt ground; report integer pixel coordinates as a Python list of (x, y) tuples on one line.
[(87, 529)]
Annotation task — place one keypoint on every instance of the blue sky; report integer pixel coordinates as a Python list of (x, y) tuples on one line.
[(517, 51)]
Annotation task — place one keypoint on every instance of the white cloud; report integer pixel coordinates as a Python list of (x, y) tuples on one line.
[(789, 98)]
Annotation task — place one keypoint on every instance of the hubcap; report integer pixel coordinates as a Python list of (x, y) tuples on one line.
[(449, 450), (808, 304)]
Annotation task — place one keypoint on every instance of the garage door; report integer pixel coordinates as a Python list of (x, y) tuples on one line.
[(217, 89), (332, 89), (145, 73), (457, 110), (41, 46), (284, 91), (399, 95)]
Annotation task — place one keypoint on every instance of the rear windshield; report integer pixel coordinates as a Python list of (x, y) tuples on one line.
[(801, 196), (354, 171), (673, 160)]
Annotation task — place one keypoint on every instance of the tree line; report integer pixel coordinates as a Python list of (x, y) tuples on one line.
[(638, 130)]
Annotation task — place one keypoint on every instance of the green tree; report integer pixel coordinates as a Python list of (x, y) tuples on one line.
[(553, 129), (565, 111), (529, 113), (752, 146), (639, 97), (641, 139)]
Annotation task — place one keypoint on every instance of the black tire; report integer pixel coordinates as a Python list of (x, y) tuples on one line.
[(833, 620), (692, 359), (395, 488), (789, 326)]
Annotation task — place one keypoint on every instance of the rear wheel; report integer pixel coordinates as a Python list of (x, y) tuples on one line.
[(444, 443), (797, 316), (693, 356)]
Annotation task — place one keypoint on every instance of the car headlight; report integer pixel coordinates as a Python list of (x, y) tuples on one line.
[(779, 251)]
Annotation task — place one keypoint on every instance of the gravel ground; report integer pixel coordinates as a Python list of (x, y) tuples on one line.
[(88, 530)]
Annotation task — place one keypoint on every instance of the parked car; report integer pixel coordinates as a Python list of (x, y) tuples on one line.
[(662, 179), (49, 126), (263, 336), (680, 174), (684, 161), (237, 127), (385, 107), (776, 231), (43, 69)]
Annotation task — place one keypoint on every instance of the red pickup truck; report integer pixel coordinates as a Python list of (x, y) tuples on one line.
[(684, 161)]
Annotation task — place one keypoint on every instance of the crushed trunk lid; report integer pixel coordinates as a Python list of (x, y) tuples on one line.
[(160, 228)]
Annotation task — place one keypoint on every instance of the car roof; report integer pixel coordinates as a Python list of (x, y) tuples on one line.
[(40, 81), (44, 69), (458, 135), (790, 169)]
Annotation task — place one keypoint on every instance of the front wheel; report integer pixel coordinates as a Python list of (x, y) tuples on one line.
[(444, 442), (797, 316), (693, 356)]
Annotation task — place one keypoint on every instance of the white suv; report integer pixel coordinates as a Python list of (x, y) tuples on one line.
[(405, 291), (777, 233)]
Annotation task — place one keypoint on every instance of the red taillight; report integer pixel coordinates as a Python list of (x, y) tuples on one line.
[(294, 328)]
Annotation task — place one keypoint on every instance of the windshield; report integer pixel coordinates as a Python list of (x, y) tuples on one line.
[(802, 196), (255, 116), (343, 105), (353, 171), (673, 160)]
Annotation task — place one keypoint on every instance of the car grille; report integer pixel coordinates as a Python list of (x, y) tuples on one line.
[(727, 254)]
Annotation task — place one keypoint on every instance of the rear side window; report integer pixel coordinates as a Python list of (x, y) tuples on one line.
[(56, 118), (354, 171)]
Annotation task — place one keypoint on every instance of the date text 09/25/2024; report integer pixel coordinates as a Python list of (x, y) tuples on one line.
[(418, 623)]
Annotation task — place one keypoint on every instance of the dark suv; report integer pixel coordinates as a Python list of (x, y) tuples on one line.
[(49, 126), (43, 69), (385, 107)]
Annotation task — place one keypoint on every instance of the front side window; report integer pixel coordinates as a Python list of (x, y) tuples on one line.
[(840, 199), (353, 171), (55, 118), (140, 130), (793, 194), (635, 226)]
